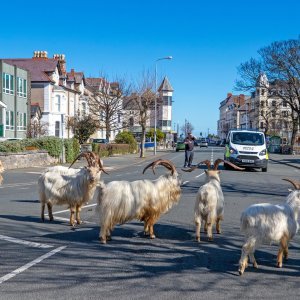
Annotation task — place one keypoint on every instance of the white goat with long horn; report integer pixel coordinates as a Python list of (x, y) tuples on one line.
[(145, 200), (61, 185), (209, 205), (266, 223)]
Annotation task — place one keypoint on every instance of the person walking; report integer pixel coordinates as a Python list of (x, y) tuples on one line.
[(189, 150)]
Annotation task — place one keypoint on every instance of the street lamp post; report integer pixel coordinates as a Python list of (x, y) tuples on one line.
[(155, 100)]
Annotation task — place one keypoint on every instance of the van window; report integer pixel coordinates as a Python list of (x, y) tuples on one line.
[(248, 138)]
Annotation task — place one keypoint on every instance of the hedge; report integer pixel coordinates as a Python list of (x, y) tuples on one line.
[(112, 149), (53, 145)]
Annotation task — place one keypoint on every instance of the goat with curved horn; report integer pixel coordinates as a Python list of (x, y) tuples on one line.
[(145, 200)]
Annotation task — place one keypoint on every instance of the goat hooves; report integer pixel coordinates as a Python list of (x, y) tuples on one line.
[(102, 240), (108, 238), (241, 271), (79, 222), (279, 264), (255, 265), (210, 239), (152, 236), (198, 239)]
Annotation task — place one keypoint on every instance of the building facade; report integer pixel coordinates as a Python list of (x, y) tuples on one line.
[(14, 100)]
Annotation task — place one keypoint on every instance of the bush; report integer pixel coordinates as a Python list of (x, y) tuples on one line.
[(53, 145), (126, 137), (72, 148)]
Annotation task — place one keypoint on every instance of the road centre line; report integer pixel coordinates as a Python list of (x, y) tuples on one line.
[(200, 175), (23, 242), (30, 264)]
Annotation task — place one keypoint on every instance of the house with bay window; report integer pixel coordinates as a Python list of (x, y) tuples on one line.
[(14, 100)]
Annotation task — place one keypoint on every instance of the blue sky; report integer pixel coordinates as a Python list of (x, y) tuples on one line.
[(207, 39)]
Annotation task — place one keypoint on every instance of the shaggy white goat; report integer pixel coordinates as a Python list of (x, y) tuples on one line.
[(74, 187), (267, 223), (209, 205), (1, 171), (145, 200)]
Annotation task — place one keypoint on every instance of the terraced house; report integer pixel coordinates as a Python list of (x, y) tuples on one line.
[(14, 100), (57, 92)]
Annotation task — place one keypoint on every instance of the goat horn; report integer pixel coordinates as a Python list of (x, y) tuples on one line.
[(167, 164), (97, 162), (230, 164), (83, 154), (152, 165), (293, 182), (206, 162)]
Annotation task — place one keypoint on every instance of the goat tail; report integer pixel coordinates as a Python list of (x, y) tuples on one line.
[(245, 222), (101, 188)]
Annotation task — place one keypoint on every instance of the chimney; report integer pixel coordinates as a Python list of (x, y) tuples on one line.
[(40, 55), (61, 61), (229, 95), (72, 72)]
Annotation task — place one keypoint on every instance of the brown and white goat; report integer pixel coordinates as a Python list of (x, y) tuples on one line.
[(145, 200), (209, 205), (62, 185)]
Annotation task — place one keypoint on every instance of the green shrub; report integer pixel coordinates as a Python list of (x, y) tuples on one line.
[(12, 146), (72, 149), (126, 137)]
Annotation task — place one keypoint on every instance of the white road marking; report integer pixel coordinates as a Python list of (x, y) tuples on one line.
[(199, 175), (30, 264), (185, 182), (23, 242)]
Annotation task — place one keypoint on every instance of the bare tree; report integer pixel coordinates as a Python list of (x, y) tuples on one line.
[(141, 102), (187, 127), (280, 61), (106, 102), (36, 129)]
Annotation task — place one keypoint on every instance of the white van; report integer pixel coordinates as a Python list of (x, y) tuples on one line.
[(247, 148)]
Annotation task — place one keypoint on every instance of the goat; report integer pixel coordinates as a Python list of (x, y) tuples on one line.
[(209, 205), (145, 200), (266, 223), (1, 171), (74, 187)]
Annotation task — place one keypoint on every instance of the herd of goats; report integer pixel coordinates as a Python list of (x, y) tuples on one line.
[(122, 201)]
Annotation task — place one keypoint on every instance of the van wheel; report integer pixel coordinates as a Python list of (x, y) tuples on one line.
[(264, 169)]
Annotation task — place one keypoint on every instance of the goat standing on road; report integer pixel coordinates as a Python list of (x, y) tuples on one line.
[(209, 205), (61, 185), (145, 200), (267, 223)]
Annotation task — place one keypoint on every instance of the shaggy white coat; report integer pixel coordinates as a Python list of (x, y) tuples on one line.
[(145, 200)]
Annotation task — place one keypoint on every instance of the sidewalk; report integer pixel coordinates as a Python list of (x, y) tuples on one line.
[(286, 159)]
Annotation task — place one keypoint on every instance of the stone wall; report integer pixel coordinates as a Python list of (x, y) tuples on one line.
[(26, 159)]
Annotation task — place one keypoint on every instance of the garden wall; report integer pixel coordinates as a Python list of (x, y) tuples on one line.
[(26, 159)]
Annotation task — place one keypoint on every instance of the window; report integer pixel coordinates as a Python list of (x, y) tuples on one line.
[(57, 127), (21, 121), (83, 109), (167, 100), (262, 104), (8, 83), (285, 113), (9, 120), (261, 125), (262, 92), (57, 103), (273, 114), (273, 103), (131, 121), (21, 87), (284, 103), (273, 125)]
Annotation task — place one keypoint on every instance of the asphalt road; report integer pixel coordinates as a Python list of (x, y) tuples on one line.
[(53, 261)]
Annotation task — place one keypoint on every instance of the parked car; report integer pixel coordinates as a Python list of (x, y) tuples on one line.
[(99, 141), (203, 143), (180, 146)]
